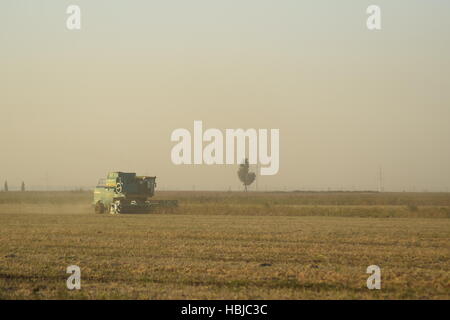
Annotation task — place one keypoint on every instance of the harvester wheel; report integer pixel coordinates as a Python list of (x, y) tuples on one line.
[(119, 187), (100, 207), (116, 207)]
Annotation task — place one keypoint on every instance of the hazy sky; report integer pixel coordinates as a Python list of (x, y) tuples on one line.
[(77, 104)]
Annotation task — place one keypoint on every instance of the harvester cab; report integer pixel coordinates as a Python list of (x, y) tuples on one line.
[(123, 192)]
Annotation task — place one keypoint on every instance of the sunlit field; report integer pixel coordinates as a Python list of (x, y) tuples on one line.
[(230, 245)]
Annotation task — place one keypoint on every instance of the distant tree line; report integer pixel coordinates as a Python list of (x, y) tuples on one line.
[(6, 187)]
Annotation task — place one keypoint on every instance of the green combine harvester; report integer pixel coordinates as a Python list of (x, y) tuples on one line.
[(124, 192)]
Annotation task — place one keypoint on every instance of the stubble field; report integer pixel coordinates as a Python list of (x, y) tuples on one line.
[(228, 245)]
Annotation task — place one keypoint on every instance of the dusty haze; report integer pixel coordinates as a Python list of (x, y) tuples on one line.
[(77, 104)]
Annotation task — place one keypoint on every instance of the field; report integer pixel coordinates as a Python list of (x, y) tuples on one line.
[(228, 245)]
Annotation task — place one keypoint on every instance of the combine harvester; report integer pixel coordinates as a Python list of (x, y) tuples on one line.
[(124, 192)]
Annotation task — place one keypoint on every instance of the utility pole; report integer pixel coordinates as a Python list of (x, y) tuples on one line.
[(380, 182), (46, 181), (256, 176)]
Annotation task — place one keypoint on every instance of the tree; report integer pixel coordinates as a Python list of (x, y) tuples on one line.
[(245, 175), (5, 188), (22, 188)]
